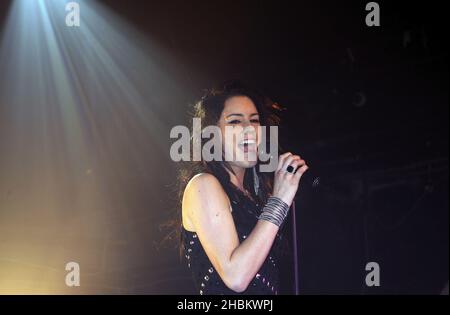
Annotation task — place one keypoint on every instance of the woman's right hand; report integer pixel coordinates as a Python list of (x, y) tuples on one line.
[(286, 183)]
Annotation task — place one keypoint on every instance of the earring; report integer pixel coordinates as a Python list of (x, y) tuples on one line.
[(255, 180)]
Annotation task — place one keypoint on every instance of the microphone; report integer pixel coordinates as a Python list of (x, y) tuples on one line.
[(315, 182), (311, 180)]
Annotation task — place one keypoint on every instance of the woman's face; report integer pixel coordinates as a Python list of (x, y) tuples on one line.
[(239, 124)]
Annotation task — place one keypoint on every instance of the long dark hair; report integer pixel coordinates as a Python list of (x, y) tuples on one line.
[(209, 109)]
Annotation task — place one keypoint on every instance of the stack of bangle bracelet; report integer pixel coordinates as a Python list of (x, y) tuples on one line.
[(275, 211)]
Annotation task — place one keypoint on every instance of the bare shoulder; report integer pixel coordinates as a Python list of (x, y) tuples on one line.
[(204, 186), (203, 180), (204, 195)]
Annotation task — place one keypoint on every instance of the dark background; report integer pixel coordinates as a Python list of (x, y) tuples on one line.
[(367, 107)]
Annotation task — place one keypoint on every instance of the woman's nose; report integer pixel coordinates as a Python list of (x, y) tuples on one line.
[(249, 128), (247, 123)]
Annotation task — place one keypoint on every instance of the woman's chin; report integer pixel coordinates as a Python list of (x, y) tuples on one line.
[(245, 164)]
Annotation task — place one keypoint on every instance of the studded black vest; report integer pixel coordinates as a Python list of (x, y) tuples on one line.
[(245, 213)]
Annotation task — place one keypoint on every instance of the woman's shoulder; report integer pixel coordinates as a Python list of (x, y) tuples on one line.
[(205, 186), (203, 193), (203, 180)]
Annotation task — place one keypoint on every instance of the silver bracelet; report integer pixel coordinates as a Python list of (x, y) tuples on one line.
[(275, 211)]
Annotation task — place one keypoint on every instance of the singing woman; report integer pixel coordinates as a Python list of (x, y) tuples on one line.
[(231, 211)]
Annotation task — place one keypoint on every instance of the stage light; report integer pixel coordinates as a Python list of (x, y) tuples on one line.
[(78, 106)]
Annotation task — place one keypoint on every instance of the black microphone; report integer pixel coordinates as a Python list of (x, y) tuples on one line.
[(311, 180), (315, 182)]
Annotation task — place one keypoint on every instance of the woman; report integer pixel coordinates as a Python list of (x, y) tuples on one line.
[(231, 212)]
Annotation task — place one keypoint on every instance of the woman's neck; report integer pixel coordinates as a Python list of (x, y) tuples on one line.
[(238, 177)]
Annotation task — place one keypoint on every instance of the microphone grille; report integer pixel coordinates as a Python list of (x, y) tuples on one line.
[(316, 182)]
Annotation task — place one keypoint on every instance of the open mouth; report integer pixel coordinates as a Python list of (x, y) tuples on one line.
[(248, 145)]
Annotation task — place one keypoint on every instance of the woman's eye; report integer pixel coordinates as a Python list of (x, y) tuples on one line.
[(237, 121)]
